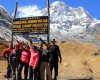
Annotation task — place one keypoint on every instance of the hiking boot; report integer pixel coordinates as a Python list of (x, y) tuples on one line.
[(56, 78), (5, 76)]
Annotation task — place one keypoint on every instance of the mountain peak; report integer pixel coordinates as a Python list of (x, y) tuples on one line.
[(58, 3), (80, 7)]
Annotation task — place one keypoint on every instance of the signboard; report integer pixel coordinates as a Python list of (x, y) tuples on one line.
[(30, 25)]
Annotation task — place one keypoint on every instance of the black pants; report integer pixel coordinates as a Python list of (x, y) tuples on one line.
[(8, 72), (55, 66), (14, 69), (35, 72), (20, 67)]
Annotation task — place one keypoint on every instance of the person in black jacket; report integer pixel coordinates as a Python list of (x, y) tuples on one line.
[(55, 57), (14, 60), (45, 61)]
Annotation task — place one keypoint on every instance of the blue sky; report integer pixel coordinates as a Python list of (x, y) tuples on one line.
[(92, 6)]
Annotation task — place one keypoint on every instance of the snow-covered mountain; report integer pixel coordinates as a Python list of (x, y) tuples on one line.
[(6, 25), (65, 22), (74, 23)]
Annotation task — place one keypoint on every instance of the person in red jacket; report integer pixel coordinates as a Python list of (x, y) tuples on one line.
[(24, 61), (6, 52)]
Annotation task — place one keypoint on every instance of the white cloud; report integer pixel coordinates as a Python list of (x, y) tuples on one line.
[(29, 11)]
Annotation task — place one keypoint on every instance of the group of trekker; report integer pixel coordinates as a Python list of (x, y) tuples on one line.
[(38, 62)]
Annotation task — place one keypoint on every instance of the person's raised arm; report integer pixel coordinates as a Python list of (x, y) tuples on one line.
[(31, 44), (43, 41), (30, 41), (20, 44)]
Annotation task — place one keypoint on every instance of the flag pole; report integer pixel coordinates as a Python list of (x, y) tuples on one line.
[(13, 20), (48, 9)]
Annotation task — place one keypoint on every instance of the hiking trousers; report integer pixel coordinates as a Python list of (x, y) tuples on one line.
[(20, 67), (33, 73), (55, 66), (45, 73), (8, 72)]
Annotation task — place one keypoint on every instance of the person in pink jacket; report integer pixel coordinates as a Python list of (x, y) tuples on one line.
[(34, 62), (34, 59), (25, 57)]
